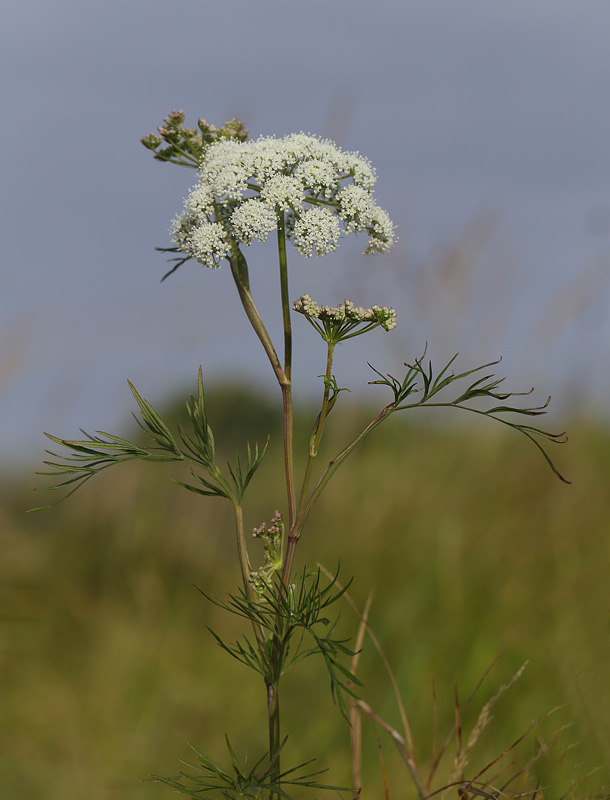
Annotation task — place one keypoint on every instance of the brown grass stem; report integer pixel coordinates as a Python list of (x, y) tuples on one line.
[(386, 664), (399, 742)]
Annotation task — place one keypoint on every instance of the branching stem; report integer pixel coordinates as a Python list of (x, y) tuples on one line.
[(294, 533), (239, 269)]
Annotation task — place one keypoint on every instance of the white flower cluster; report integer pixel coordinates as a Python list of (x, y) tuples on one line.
[(243, 186), (346, 313)]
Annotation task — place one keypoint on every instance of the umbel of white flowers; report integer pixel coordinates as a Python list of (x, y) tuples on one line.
[(243, 187)]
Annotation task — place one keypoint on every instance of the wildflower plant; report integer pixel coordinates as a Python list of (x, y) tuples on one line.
[(304, 191)]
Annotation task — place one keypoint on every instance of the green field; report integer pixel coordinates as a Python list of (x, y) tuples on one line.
[(472, 550)]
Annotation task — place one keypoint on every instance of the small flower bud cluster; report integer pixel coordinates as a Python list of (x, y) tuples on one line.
[(272, 537), (346, 313), (187, 145), (271, 532), (244, 185)]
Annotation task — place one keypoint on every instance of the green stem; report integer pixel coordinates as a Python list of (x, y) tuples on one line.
[(273, 716), (244, 564), (336, 462), (286, 385), (239, 270), (244, 561), (273, 707), (294, 533), (316, 435), (281, 246)]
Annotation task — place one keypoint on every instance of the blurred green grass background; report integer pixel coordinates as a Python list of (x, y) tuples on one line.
[(471, 547)]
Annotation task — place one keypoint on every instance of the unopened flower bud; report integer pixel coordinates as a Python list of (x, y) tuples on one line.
[(151, 141), (175, 119), (205, 127)]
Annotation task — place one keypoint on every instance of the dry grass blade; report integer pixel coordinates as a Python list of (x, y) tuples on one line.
[(542, 750), (384, 774), (482, 722), (400, 746), (509, 749), (437, 759), (408, 738), (458, 726), (354, 712)]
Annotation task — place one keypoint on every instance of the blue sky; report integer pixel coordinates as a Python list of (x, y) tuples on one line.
[(488, 124)]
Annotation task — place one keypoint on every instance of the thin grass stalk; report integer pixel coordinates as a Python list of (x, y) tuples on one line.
[(401, 708), (443, 748), (400, 746), (384, 774), (507, 750)]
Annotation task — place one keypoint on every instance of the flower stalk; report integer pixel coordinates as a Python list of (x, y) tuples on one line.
[(311, 193), (286, 383), (318, 428)]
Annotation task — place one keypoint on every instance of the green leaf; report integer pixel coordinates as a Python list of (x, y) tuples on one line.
[(93, 454), (256, 781), (211, 491), (421, 380)]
